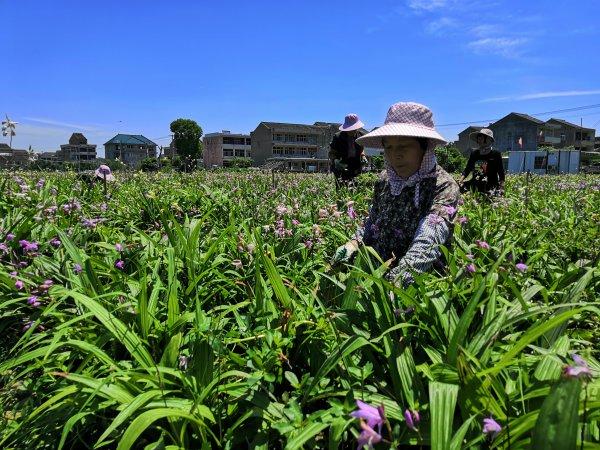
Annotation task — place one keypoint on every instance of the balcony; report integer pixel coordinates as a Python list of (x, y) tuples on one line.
[(550, 140)]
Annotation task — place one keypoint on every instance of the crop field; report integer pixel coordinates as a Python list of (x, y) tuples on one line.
[(198, 311)]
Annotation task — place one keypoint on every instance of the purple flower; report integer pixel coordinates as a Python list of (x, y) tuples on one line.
[(579, 370), (412, 419), (13, 274), (10, 237), (434, 219), (19, 285), (295, 222), (308, 244), (33, 301), (118, 247), (367, 437), (28, 325), (120, 264), (3, 247), (471, 268), (40, 183), (491, 427), (46, 285), (77, 269), (369, 413), (28, 246), (351, 213), (462, 220), (90, 223), (521, 267), (55, 242), (482, 244), (451, 210)]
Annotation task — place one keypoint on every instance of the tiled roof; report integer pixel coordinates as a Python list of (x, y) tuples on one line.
[(135, 139), (527, 117)]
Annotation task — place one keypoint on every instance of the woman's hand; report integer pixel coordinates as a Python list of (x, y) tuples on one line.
[(345, 252)]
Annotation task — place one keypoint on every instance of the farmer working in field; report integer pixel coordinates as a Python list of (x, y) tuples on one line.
[(485, 163), (415, 200), (345, 153)]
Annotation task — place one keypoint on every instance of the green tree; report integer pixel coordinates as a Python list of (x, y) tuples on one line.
[(186, 136), (450, 158)]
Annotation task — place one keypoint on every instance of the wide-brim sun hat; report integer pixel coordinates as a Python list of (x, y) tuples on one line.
[(351, 123), (483, 132), (104, 172), (406, 119)]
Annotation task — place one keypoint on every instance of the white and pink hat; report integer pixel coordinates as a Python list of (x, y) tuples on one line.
[(104, 172), (351, 123), (404, 119)]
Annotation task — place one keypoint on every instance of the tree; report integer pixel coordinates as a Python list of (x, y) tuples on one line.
[(450, 158), (186, 136)]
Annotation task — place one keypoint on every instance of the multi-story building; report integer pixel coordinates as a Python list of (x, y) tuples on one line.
[(77, 149), (219, 149), (516, 131), (559, 133), (51, 157), (12, 157), (130, 149), (299, 147)]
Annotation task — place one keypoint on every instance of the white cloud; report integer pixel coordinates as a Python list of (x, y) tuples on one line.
[(438, 27), (57, 123), (485, 30), (538, 95), (503, 46), (427, 5)]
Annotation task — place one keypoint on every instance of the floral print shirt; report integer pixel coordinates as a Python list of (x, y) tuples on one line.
[(409, 231)]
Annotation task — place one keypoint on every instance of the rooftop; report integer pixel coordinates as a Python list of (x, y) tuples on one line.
[(135, 139)]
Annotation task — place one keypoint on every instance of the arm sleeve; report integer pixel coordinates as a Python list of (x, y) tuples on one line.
[(501, 174), (470, 165), (333, 148), (424, 250)]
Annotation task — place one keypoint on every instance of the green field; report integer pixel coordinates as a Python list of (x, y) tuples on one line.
[(200, 311)]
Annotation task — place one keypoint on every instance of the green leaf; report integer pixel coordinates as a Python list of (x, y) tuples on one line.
[(307, 433), (442, 401)]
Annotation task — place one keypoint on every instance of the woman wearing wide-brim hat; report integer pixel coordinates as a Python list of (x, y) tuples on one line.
[(415, 200), (485, 163), (345, 153)]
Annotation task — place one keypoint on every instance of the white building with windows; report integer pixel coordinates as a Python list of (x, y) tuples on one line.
[(220, 149)]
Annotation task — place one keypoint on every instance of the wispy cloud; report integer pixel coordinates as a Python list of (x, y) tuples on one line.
[(441, 26), (503, 46), (57, 123), (427, 5), (538, 95)]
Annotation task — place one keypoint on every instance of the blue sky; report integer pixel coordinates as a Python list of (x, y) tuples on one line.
[(103, 67)]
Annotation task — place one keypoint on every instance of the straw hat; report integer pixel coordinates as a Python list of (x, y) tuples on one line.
[(404, 119), (351, 123), (483, 132), (103, 172)]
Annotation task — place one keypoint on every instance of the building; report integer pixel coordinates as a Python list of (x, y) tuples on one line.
[(77, 149), (544, 162), (299, 147), (12, 157), (219, 149), (130, 149), (464, 143), (516, 131), (559, 133), (51, 157)]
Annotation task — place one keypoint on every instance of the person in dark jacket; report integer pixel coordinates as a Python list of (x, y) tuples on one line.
[(485, 163), (345, 153)]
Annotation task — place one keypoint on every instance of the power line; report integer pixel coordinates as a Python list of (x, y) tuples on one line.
[(578, 108)]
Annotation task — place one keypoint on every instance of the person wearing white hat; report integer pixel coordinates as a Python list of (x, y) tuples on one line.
[(489, 173), (414, 203), (345, 153)]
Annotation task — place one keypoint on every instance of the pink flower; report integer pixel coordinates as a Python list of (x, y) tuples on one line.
[(471, 268), (308, 244), (77, 269), (120, 264), (28, 246), (521, 267), (412, 419), (19, 285), (351, 213), (462, 220), (295, 222), (367, 437), (579, 370), (482, 244), (369, 413), (10, 237), (451, 210), (118, 247), (491, 427), (434, 219)]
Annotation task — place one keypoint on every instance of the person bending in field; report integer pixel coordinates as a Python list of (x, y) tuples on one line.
[(415, 200), (486, 165)]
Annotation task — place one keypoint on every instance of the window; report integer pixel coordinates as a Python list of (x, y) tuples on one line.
[(227, 152), (239, 153), (248, 141), (278, 150), (301, 138), (278, 137), (563, 137), (578, 136), (539, 162)]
